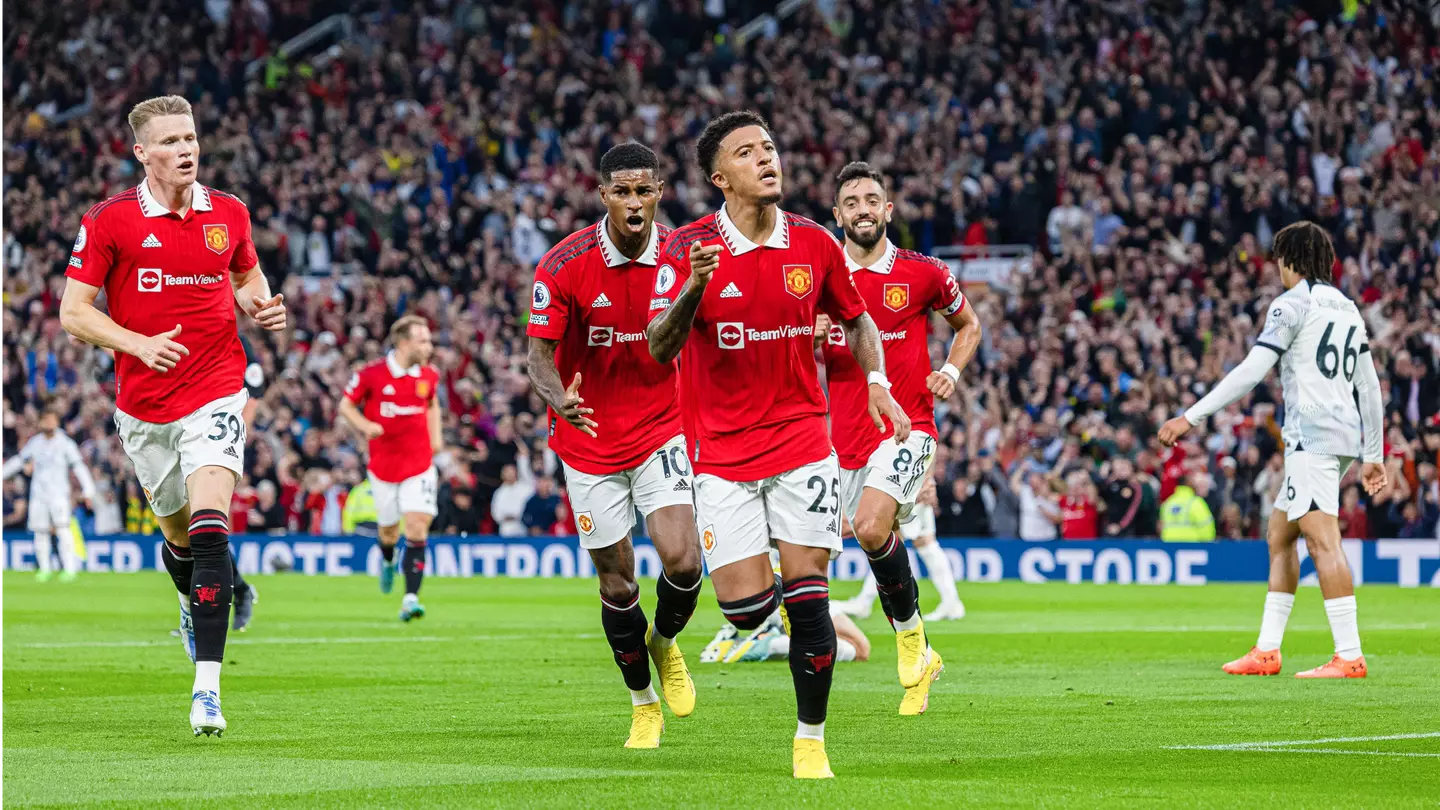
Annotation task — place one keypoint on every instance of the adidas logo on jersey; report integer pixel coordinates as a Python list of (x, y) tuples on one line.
[(388, 390), (730, 291), (230, 451), (832, 527), (600, 301), (150, 241), (682, 486), (894, 479)]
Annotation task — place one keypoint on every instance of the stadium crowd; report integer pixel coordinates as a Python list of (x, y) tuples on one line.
[(1147, 151)]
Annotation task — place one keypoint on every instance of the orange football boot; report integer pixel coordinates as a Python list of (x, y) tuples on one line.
[(1255, 662), (1337, 668)]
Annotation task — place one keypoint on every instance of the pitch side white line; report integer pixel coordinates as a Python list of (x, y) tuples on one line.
[(1289, 744), (65, 645)]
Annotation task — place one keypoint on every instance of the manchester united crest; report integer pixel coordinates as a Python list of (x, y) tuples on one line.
[(707, 538), (585, 522), (217, 237), (422, 389), (798, 279), (896, 296)]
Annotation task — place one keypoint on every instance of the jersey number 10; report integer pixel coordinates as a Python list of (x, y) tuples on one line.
[(1328, 351)]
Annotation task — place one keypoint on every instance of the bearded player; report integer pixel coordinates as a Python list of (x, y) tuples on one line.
[(393, 403), (880, 479), (175, 258), (1319, 338), (620, 441), (739, 292)]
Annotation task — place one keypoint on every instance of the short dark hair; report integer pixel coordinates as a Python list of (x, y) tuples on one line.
[(1306, 247), (627, 156), (857, 170), (709, 144)]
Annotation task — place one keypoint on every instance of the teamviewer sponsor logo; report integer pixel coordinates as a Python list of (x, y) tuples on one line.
[(150, 279), (731, 335), (601, 336)]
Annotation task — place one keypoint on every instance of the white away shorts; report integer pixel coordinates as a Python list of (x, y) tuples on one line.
[(165, 455), (738, 519), (415, 494), (605, 504), (47, 514), (898, 470), (1312, 481)]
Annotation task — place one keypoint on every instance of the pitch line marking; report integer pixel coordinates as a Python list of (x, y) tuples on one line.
[(66, 645), (1294, 745)]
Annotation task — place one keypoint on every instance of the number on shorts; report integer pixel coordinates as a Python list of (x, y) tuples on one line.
[(226, 424), (1289, 489), (673, 459), (818, 505), (903, 457)]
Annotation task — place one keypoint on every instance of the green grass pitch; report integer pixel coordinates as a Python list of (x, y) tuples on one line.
[(506, 696)]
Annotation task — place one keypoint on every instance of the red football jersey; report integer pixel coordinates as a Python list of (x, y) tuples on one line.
[(159, 269), (594, 301), (1080, 518), (900, 290), (397, 398), (749, 387)]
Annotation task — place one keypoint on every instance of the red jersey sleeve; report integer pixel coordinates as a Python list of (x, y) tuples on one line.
[(838, 298), (244, 258), (357, 390), (549, 304), (673, 272), (93, 255), (948, 298)]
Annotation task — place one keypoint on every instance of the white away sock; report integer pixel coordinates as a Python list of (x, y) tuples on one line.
[(810, 731), (844, 650), (69, 560), (1272, 623), (43, 560), (937, 567), (870, 591), (1344, 626), (641, 697), (207, 677)]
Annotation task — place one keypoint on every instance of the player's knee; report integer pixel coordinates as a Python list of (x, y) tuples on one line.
[(682, 565), (417, 529), (871, 532), (752, 611), (389, 535), (617, 589)]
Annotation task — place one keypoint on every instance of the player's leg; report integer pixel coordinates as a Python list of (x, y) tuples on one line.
[(852, 483), (418, 506), (211, 442), (663, 491), (920, 531), (803, 511), (605, 514), (245, 598), (1321, 527), (387, 528), (65, 541), (851, 643), (39, 525)]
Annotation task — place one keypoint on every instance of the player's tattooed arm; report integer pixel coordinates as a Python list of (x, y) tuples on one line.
[(545, 377), (864, 339), (669, 329)]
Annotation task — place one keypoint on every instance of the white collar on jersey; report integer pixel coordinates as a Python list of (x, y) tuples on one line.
[(612, 254), (883, 266), (739, 245), (151, 207), (395, 369)]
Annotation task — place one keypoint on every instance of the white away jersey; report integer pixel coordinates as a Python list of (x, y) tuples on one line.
[(1320, 337), (53, 458)]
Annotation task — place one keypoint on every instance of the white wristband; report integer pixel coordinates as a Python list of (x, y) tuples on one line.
[(878, 378), (949, 370)]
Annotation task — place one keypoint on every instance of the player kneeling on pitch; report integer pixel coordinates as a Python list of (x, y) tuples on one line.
[(401, 420), (175, 257), (1319, 337), (621, 442)]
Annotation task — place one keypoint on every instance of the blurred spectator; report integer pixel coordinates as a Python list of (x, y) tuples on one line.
[(540, 510), (507, 506)]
